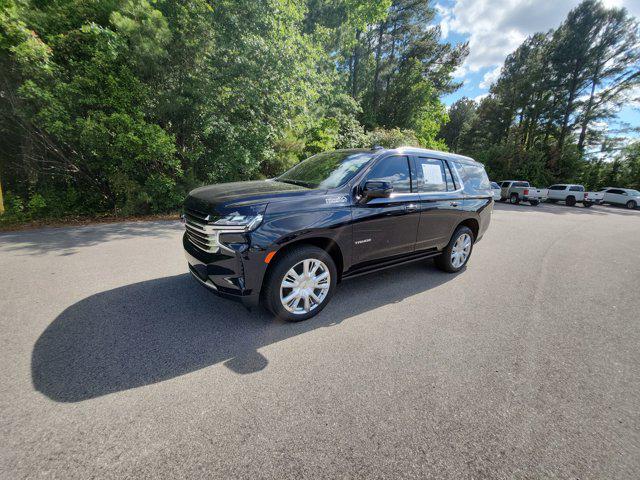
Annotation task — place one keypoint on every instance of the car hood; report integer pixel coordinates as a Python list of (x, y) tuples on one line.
[(220, 198)]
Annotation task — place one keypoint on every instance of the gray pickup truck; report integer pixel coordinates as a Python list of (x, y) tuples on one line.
[(516, 191)]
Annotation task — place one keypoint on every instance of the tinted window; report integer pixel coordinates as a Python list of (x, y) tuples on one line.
[(433, 175), (448, 175), (520, 184), (473, 176), (394, 170), (505, 184), (576, 188), (557, 187), (615, 191)]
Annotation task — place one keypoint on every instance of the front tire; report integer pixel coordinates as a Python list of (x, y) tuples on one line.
[(587, 204), (631, 205), (534, 203), (300, 284), (457, 253)]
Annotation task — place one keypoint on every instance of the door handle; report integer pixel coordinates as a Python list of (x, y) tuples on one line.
[(412, 207), (454, 204)]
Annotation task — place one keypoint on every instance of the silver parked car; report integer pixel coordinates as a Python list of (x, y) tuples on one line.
[(621, 196), (495, 188)]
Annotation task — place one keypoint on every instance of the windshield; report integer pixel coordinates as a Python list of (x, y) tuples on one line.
[(494, 185), (520, 184), (326, 170), (634, 193)]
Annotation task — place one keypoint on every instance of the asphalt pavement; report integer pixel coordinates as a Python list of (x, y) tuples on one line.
[(114, 363)]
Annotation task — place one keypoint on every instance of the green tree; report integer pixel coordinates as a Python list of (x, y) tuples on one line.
[(461, 116)]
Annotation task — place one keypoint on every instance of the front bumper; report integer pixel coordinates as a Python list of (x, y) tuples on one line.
[(222, 273)]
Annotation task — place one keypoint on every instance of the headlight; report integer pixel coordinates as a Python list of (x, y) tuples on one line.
[(236, 221)]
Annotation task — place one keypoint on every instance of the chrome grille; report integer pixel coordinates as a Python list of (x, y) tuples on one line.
[(199, 232), (203, 234)]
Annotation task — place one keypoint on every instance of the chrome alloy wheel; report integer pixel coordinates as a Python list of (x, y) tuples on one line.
[(305, 286), (460, 251)]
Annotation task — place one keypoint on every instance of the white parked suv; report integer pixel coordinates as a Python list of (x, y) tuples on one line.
[(572, 194), (621, 196)]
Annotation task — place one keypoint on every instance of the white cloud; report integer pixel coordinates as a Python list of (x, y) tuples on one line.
[(445, 21), (480, 97), (490, 77), (496, 27), (460, 72)]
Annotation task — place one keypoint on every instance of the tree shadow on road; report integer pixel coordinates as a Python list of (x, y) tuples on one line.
[(562, 209), (156, 330), (67, 240)]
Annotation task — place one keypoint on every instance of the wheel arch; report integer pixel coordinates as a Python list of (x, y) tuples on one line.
[(472, 224), (327, 244)]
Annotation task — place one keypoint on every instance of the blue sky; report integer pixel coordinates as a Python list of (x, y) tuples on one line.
[(494, 28)]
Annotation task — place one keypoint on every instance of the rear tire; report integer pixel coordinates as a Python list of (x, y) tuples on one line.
[(534, 203), (571, 201), (514, 199), (455, 255), (303, 294), (631, 204), (587, 204)]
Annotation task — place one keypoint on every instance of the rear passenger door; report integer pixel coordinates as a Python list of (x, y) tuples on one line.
[(577, 191), (441, 202)]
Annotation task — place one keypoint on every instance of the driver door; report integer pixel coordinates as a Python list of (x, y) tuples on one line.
[(386, 227)]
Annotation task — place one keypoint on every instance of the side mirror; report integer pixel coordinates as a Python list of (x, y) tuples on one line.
[(377, 189)]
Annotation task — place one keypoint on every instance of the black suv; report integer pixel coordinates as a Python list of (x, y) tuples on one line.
[(288, 241)]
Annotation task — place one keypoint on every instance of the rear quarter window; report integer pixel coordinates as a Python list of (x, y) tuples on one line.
[(473, 177)]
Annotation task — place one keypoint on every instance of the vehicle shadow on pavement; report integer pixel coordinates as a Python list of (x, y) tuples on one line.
[(156, 330)]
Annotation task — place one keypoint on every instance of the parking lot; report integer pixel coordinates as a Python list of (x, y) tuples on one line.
[(115, 363)]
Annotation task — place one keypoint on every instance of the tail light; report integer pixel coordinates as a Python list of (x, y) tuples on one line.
[(586, 195), (526, 191)]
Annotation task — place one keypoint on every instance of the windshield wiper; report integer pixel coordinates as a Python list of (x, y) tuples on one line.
[(294, 182)]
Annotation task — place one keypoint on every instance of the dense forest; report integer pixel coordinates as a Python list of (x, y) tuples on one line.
[(543, 118), (121, 106)]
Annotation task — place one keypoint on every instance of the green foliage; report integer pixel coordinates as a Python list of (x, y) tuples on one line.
[(122, 106), (623, 171), (539, 119), (461, 116), (392, 138)]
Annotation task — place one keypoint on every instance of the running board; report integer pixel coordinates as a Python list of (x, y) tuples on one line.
[(389, 264)]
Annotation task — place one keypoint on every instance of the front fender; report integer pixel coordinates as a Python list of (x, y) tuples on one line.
[(283, 226)]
